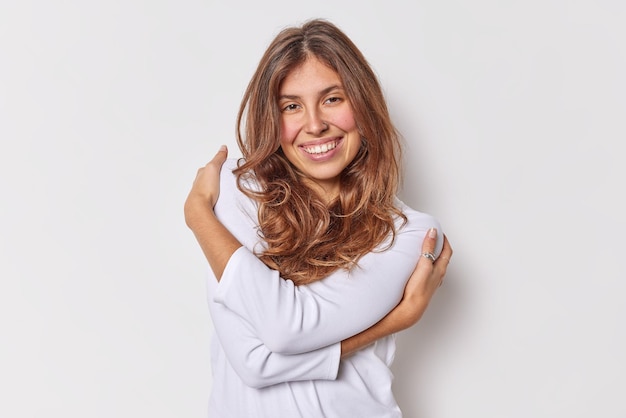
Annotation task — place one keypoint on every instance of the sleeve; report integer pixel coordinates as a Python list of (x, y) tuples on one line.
[(251, 359), (291, 319), (255, 364)]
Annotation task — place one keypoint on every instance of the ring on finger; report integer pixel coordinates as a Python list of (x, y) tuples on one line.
[(429, 256)]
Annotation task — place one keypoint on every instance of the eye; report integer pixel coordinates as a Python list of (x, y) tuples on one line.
[(290, 107), (332, 100)]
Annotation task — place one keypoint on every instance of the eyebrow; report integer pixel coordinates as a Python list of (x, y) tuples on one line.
[(321, 93)]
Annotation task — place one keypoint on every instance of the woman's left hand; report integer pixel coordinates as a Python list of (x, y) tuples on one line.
[(423, 283), (206, 186)]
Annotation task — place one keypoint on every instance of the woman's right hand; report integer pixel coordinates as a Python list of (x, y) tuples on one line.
[(423, 283)]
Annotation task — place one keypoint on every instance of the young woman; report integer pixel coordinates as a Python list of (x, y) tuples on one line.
[(314, 262)]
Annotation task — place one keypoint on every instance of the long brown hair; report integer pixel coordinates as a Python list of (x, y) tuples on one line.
[(306, 238)]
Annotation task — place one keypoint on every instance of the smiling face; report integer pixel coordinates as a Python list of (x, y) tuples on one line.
[(319, 135)]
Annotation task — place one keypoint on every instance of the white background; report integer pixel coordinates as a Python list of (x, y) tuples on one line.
[(513, 114)]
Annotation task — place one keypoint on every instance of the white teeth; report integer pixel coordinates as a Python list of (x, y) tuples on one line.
[(320, 149)]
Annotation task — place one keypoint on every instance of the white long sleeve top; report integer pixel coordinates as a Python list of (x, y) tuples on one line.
[(276, 348)]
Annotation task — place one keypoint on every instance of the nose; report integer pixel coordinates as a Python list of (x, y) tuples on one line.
[(314, 124)]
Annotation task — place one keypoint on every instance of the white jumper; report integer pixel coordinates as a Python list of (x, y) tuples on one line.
[(276, 348)]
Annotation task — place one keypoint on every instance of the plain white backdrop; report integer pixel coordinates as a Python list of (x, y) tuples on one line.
[(513, 116)]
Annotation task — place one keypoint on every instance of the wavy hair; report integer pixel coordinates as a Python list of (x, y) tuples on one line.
[(307, 238)]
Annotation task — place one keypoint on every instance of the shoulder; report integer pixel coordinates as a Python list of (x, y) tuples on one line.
[(417, 219), (232, 202), (418, 223), (229, 179), (227, 175), (236, 210), (228, 182), (230, 164)]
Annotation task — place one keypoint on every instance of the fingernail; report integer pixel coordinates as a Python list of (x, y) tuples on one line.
[(432, 233), (223, 148)]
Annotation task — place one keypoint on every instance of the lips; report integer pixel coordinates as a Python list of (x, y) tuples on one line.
[(316, 149)]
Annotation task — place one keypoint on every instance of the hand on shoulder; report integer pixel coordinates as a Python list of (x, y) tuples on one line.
[(205, 188)]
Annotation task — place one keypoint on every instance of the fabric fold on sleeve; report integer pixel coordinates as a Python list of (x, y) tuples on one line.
[(255, 364)]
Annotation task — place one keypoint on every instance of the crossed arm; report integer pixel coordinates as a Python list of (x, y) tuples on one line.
[(250, 316)]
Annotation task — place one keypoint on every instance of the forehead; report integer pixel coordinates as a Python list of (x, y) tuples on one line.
[(312, 75)]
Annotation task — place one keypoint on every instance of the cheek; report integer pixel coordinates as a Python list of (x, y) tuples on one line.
[(344, 120), (287, 132)]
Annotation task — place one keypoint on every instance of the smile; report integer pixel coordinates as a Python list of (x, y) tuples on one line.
[(321, 148)]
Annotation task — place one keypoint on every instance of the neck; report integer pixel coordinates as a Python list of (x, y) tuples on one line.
[(328, 192)]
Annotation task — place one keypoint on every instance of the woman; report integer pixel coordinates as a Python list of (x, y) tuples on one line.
[(315, 263)]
